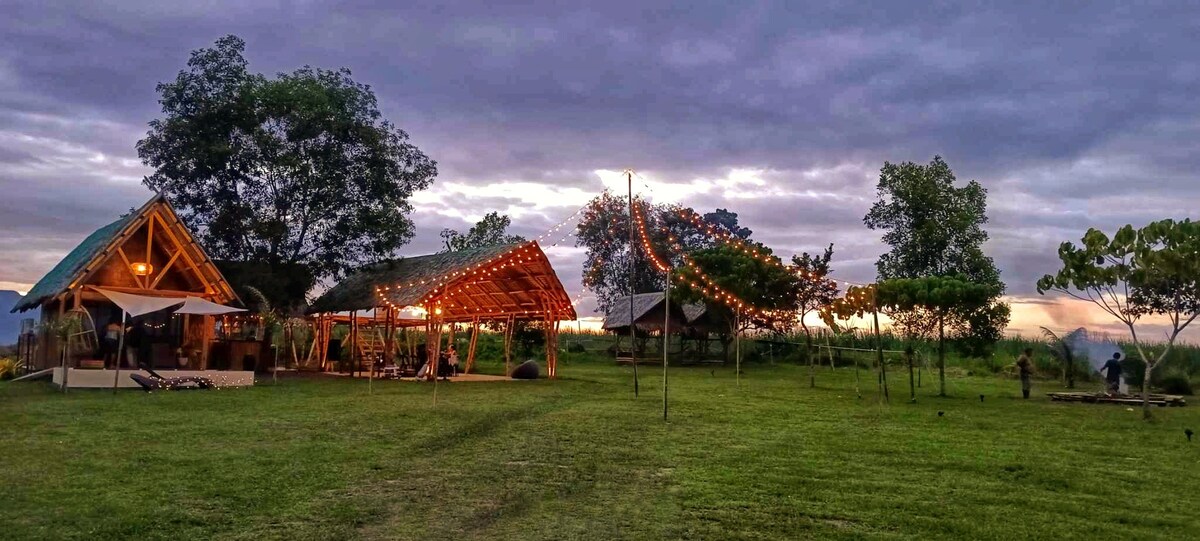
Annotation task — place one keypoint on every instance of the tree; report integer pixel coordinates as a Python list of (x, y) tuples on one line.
[(727, 222), (935, 228), (767, 291), (941, 296), (604, 231), (296, 169), (857, 302), (1061, 348), (813, 291), (492, 229), (1152, 271)]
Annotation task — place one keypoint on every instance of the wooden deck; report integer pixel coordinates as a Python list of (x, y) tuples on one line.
[(1160, 400)]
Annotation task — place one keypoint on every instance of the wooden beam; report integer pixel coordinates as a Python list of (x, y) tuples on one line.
[(129, 267), (149, 240), (187, 257), (163, 272)]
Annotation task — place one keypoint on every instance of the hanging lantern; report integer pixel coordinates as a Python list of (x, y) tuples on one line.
[(141, 269)]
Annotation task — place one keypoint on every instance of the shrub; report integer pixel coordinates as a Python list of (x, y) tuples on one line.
[(9, 368), (1175, 383), (577, 347)]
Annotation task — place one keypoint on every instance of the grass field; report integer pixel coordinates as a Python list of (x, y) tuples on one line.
[(580, 458)]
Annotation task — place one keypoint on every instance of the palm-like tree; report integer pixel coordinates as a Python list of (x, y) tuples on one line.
[(1061, 349)]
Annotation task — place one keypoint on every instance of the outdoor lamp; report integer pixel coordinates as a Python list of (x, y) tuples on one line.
[(141, 269)]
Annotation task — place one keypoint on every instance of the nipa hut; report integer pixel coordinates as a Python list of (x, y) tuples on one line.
[(147, 257), (500, 284)]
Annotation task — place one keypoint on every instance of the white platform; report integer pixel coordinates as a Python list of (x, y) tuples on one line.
[(79, 378)]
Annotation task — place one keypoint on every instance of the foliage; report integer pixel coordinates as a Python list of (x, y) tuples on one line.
[(9, 368), (814, 290), (284, 286), (1152, 271), (296, 169), (940, 296), (1176, 384), (1061, 349), (769, 288), (935, 228), (727, 222), (492, 229), (604, 231)]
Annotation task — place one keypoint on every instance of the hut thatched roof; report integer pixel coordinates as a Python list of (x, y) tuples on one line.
[(617, 315), (487, 283), (694, 311), (80, 266)]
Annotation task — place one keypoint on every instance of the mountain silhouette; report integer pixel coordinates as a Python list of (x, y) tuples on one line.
[(10, 324)]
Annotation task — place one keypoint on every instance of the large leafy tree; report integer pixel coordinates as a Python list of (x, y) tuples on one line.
[(491, 229), (300, 168), (604, 231), (814, 290), (1152, 271), (935, 228)]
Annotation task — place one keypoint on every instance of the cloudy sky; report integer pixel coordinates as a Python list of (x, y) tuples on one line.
[(1070, 117)]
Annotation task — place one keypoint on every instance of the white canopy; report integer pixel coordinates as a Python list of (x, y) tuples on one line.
[(196, 305), (136, 305)]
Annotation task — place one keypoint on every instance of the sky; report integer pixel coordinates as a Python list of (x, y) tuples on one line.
[(1072, 116)]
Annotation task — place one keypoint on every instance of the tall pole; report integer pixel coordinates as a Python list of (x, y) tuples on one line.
[(879, 349), (632, 266), (666, 338), (120, 350), (737, 346)]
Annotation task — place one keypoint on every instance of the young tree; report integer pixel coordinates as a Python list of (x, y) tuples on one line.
[(296, 169), (941, 296), (767, 291), (936, 229), (492, 229), (1152, 271), (858, 302), (813, 291)]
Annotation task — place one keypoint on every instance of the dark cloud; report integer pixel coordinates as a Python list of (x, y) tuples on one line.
[(1073, 116)]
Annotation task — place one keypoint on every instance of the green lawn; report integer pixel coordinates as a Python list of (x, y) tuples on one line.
[(580, 458)]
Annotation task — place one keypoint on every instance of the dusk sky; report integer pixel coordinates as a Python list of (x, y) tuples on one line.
[(1070, 117)]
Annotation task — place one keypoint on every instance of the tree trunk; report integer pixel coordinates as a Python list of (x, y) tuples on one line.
[(1146, 390), (912, 383), (942, 354)]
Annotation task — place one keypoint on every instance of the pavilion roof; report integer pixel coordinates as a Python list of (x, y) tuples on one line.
[(490, 282)]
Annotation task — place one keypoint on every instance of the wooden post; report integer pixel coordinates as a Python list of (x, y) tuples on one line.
[(471, 347), (666, 335), (508, 336), (207, 325), (737, 345), (879, 355)]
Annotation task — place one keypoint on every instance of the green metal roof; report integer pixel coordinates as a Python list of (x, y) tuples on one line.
[(59, 278)]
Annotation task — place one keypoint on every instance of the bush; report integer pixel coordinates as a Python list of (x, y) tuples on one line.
[(9, 368), (1176, 383), (577, 347)]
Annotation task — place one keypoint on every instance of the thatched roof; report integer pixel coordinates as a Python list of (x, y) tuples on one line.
[(694, 311), (59, 278), (617, 315), (488, 282), (82, 263)]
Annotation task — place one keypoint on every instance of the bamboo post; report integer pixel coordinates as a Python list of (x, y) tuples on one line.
[(632, 265), (120, 350), (508, 338), (666, 336), (879, 356), (737, 345), (471, 346)]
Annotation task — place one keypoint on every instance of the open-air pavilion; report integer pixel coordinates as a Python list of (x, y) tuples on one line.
[(498, 285)]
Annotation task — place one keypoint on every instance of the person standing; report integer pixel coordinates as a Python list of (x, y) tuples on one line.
[(1112, 371), (1025, 366)]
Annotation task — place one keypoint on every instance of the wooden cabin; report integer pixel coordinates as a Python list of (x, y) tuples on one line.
[(148, 252), (500, 284)]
